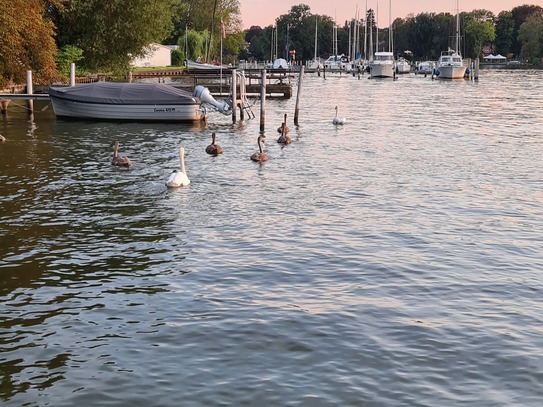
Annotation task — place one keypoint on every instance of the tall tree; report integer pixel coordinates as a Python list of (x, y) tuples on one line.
[(531, 38), (110, 33), (478, 29), (520, 14), (504, 33), (27, 41)]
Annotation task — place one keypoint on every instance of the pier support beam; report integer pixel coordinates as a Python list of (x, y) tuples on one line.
[(29, 91), (298, 95), (263, 101)]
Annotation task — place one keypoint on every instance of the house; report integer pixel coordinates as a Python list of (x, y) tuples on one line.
[(156, 55)]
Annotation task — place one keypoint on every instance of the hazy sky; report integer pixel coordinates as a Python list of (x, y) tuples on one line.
[(264, 12)]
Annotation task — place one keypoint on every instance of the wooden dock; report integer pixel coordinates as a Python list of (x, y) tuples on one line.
[(278, 81)]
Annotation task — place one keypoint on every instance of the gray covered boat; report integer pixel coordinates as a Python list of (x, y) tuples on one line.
[(126, 101)]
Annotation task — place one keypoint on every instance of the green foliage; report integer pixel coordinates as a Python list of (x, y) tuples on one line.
[(112, 33), (478, 30), (67, 55), (531, 37), (194, 44), (504, 32), (178, 57), (26, 43)]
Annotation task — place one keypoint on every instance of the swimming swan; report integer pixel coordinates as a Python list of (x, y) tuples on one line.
[(119, 160), (259, 156), (213, 149), (179, 178), (284, 138), (280, 128), (338, 120)]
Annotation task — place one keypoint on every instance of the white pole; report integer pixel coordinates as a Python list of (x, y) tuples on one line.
[(72, 74)]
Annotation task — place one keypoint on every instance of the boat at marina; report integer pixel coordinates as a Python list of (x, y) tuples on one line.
[(403, 66), (450, 64), (382, 65), (204, 66), (126, 101), (425, 67)]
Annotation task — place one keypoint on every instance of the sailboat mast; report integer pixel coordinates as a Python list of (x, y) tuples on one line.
[(366, 31), (457, 45), (316, 19)]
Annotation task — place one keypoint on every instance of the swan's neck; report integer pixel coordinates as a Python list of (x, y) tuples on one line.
[(260, 146), (182, 159), (213, 139), (115, 149)]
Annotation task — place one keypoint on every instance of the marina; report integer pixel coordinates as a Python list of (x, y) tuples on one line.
[(391, 260)]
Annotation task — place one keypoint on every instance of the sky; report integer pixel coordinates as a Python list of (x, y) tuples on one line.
[(264, 12)]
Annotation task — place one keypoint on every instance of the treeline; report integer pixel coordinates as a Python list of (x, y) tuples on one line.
[(517, 34), (45, 36)]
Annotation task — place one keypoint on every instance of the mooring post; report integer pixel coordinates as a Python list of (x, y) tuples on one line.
[(29, 91), (298, 94), (477, 69), (263, 101), (234, 86), (129, 77), (4, 105), (72, 74)]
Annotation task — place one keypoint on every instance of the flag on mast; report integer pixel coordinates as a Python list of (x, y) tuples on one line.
[(223, 30)]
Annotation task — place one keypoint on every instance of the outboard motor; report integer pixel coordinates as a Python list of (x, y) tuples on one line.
[(202, 93)]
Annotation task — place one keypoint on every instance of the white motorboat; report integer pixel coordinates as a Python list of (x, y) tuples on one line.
[(128, 101), (337, 63), (450, 64), (402, 66), (201, 66), (382, 65), (425, 67)]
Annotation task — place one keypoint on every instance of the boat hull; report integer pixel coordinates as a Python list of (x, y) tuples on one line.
[(160, 113), (126, 101), (451, 72), (379, 70)]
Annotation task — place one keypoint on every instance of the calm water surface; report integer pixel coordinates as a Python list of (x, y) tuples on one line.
[(393, 261)]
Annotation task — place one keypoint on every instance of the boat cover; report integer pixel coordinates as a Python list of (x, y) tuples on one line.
[(123, 93)]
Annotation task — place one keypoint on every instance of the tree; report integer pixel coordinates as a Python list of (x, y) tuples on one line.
[(27, 42), (531, 38), (504, 33), (112, 34), (520, 14), (478, 29)]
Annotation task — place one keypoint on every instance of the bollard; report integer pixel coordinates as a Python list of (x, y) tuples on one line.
[(72, 74), (298, 94)]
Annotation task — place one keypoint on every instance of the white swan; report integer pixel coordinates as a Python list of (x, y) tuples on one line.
[(119, 160), (179, 178), (338, 120)]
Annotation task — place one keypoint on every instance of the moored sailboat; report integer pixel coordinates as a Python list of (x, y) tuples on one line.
[(450, 64)]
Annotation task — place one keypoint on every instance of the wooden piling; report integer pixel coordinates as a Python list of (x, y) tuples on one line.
[(263, 101), (298, 94), (234, 86), (29, 91), (4, 105)]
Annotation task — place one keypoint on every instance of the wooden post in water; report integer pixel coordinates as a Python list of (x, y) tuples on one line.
[(234, 86), (72, 74), (263, 101), (477, 69), (29, 91), (298, 94), (4, 105), (129, 77)]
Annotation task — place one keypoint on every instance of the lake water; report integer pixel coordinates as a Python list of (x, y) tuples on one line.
[(393, 261)]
